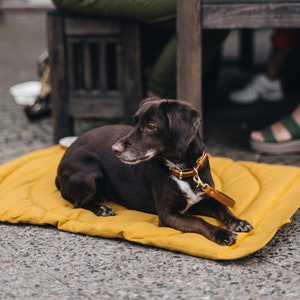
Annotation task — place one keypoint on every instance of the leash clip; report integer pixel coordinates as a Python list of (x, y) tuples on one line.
[(198, 181)]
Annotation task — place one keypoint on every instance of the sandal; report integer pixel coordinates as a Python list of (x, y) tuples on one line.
[(270, 145)]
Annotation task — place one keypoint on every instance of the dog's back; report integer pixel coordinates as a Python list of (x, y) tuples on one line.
[(90, 172)]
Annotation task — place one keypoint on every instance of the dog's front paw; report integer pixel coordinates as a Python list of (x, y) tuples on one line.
[(240, 226), (105, 211), (225, 237)]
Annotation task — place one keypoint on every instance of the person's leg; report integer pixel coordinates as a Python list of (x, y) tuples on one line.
[(156, 12), (283, 41), (267, 86), (274, 63), (162, 80)]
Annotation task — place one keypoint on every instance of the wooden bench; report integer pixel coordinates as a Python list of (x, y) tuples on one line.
[(95, 69), (195, 15)]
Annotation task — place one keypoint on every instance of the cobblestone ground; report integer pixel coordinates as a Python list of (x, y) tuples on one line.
[(19, 137)]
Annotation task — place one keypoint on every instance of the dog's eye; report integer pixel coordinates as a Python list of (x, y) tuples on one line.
[(150, 126)]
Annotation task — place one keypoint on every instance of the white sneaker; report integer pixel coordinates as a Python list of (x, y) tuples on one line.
[(260, 87)]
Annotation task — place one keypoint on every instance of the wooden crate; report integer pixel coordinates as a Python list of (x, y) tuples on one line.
[(95, 69)]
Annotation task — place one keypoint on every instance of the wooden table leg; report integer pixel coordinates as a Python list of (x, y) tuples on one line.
[(61, 120), (189, 52)]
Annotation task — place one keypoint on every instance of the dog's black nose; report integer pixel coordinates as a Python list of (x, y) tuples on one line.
[(118, 149)]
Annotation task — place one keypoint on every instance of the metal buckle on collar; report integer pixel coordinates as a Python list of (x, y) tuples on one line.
[(180, 174), (178, 171)]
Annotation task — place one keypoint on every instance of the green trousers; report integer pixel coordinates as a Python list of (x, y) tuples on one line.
[(158, 13)]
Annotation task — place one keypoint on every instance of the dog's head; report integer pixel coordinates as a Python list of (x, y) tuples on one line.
[(161, 127)]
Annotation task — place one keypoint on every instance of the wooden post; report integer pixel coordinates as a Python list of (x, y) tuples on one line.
[(132, 69), (189, 54), (62, 121)]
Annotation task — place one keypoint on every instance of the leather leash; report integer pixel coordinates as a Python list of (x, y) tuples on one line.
[(209, 190)]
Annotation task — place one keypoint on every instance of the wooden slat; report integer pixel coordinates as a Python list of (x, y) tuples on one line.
[(119, 68), (96, 108), (94, 94), (80, 26), (87, 66), (70, 63), (102, 66), (131, 69), (91, 39), (258, 15), (189, 52)]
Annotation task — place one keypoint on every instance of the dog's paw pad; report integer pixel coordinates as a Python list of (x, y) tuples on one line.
[(241, 226), (226, 237), (105, 211)]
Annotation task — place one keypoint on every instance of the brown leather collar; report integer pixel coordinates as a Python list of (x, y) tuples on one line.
[(209, 190), (185, 173)]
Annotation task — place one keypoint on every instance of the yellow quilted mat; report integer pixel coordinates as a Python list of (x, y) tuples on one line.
[(266, 195)]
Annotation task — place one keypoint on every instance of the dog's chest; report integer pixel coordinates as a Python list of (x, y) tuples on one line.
[(192, 195)]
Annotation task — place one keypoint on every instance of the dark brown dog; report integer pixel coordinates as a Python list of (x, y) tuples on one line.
[(131, 166)]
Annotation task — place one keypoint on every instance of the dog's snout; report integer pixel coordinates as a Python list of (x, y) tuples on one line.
[(118, 148)]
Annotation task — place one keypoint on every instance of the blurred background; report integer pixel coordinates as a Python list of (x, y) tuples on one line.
[(23, 36)]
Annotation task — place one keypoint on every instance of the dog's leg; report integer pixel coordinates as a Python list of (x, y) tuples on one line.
[(186, 223), (212, 208), (84, 191), (232, 222), (99, 209)]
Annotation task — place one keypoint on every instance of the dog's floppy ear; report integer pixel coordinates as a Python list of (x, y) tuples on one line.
[(184, 123)]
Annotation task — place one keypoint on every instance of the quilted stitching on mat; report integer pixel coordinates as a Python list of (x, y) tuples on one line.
[(266, 195)]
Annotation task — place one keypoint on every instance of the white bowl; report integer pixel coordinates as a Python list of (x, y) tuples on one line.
[(25, 93), (67, 141)]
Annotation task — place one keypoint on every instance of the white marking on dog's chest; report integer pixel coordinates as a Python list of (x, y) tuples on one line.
[(190, 196)]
